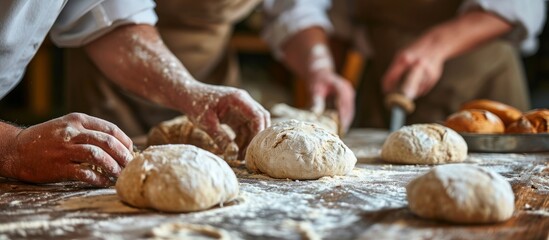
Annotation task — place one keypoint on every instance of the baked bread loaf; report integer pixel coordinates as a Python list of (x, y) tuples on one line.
[(506, 113), (534, 121), (181, 130), (475, 121)]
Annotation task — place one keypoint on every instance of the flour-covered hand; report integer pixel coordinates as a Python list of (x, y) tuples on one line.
[(327, 83), (66, 148), (211, 106)]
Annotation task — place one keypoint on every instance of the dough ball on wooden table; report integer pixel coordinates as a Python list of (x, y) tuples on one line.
[(475, 121), (461, 193), (177, 178), (298, 150), (424, 144), (506, 113)]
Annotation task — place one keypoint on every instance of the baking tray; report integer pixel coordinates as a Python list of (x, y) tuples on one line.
[(507, 143)]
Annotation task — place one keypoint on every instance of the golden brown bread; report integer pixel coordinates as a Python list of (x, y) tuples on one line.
[(506, 113), (534, 121), (475, 121)]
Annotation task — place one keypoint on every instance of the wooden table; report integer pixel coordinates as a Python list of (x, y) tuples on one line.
[(370, 203)]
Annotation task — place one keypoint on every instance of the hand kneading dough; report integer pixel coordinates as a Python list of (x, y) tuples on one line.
[(461, 193), (298, 150), (177, 178), (424, 144)]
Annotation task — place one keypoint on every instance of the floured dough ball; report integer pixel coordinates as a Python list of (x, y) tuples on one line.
[(424, 144), (298, 150), (176, 178), (461, 193)]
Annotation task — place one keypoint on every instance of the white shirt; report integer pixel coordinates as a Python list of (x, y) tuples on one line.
[(287, 17), (72, 23)]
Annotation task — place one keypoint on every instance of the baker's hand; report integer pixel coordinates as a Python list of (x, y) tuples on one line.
[(65, 149), (210, 106), (416, 69), (327, 83)]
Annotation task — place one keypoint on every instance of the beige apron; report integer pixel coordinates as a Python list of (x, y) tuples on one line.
[(490, 71), (197, 32)]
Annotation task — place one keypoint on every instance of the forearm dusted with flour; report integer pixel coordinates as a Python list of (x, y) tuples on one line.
[(135, 58), (299, 53)]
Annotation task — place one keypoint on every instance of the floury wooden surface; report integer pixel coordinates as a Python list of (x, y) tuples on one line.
[(370, 203)]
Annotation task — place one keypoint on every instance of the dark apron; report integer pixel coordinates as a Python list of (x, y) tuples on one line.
[(197, 32), (490, 71)]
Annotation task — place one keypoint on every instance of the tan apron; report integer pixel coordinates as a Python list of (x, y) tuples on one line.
[(197, 32), (490, 71)]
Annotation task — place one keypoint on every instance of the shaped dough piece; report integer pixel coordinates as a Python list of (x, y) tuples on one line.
[(177, 178), (298, 150), (461, 193), (181, 130), (424, 144)]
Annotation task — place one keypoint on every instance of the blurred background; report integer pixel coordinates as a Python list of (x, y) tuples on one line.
[(41, 95)]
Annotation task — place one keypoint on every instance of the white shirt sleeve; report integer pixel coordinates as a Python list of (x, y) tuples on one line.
[(285, 18), (528, 16), (81, 22)]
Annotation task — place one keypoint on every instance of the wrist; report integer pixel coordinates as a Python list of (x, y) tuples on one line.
[(8, 149), (441, 42), (187, 96)]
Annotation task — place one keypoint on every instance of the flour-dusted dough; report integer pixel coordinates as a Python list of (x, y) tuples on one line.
[(298, 150), (461, 193), (177, 178), (424, 144)]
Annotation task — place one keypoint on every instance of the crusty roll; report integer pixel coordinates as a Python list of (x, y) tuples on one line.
[(522, 125), (506, 113), (475, 121), (534, 121)]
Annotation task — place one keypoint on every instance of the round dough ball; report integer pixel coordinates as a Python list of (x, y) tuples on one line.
[(177, 178), (298, 150), (475, 121), (461, 193), (424, 144)]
